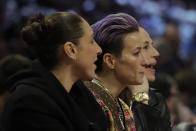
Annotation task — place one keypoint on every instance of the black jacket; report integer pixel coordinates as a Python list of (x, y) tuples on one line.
[(40, 103), (152, 117), (89, 106)]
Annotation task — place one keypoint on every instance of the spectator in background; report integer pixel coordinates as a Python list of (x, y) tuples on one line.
[(192, 52), (166, 85), (9, 65), (168, 47), (186, 81)]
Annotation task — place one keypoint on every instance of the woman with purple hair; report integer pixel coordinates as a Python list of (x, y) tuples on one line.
[(122, 63)]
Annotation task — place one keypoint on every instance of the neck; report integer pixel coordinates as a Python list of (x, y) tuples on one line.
[(111, 83), (65, 76)]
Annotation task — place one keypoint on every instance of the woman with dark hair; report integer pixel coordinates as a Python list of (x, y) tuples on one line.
[(40, 98)]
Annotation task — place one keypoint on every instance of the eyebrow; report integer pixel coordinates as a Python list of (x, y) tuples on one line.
[(137, 48), (147, 42)]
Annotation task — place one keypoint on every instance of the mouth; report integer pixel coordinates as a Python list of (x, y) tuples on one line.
[(150, 66)]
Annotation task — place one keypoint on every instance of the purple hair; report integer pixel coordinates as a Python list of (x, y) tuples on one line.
[(110, 31)]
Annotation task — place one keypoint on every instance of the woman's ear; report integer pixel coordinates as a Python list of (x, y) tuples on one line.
[(109, 60), (70, 50)]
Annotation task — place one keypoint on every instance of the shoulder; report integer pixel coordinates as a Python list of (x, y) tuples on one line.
[(27, 97), (156, 96)]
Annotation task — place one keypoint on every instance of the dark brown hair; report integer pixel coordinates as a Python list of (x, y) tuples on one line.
[(46, 34)]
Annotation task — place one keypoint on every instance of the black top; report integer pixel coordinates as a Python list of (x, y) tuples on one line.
[(40, 103), (89, 106)]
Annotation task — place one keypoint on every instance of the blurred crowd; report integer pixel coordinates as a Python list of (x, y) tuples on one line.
[(171, 23)]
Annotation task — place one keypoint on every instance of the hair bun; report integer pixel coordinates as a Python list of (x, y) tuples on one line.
[(33, 32)]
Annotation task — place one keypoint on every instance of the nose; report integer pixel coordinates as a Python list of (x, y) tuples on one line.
[(99, 50), (155, 53)]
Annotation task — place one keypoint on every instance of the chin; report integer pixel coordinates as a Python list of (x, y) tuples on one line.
[(87, 78), (88, 75), (151, 78), (91, 76), (138, 82)]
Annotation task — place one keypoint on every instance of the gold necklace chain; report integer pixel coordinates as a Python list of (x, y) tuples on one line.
[(116, 100), (98, 82)]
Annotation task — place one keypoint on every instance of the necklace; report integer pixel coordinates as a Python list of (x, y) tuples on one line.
[(116, 101)]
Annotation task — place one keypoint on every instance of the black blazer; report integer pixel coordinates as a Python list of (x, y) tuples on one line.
[(40, 103)]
